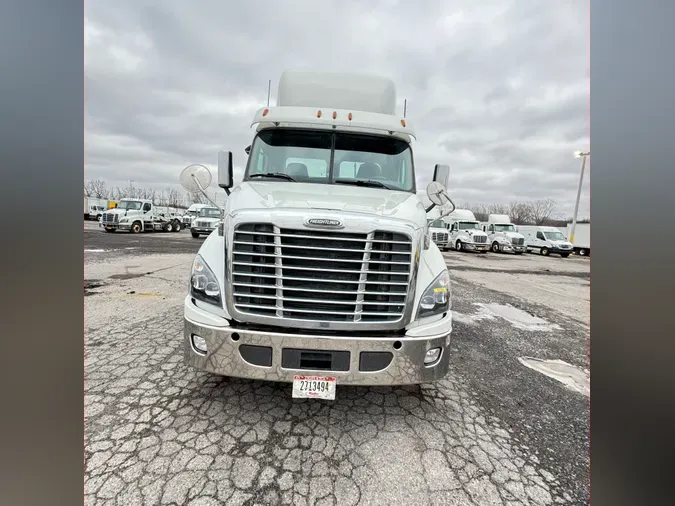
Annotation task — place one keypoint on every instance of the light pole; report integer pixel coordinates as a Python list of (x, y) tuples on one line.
[(582, 155)]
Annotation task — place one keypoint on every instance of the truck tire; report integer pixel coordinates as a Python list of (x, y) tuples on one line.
[(458, 245), (168, 227), (544, 251), (98, 217), (136, 227), (495, 247), (582, 252), (195, 235), (519, 252), (176, 226)]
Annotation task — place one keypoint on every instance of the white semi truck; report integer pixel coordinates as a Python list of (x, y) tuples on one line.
[(139, 215), (207, 221), (465, 232), (545, 240), (191, 213), (502, 235), (322, 272), (438, 233)]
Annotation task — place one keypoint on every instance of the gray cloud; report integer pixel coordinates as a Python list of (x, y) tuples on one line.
[(497, 89)]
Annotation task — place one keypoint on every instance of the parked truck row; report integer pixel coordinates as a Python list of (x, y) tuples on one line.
[(461, 231)]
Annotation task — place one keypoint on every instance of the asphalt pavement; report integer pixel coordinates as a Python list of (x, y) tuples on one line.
[(492, 432)]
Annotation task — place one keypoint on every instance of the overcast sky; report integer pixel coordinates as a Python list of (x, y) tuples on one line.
[(497, 89)]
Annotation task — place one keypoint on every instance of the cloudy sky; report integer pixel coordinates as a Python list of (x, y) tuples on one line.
[(497, 89)]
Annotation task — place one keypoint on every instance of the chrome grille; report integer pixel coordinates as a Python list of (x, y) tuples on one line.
[(110, 218), (517, 241), (320, 276), (439, 237), (480, 239)]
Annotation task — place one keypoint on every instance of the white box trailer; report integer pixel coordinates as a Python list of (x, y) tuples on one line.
[(582, 238), (94, 208)]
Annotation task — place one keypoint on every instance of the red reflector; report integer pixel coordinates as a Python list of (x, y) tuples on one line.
[(334, 114), (318, 114), (349, 116), (402, 122), (265, 112)]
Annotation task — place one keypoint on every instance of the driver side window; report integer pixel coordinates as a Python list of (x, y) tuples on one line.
[(146, 207), (540, 236)]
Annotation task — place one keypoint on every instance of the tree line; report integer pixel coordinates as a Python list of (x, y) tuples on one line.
[(541, 212), (170, 197)]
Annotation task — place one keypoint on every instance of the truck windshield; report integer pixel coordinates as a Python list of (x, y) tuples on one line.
[(437, 224), (130, 204), (306, 155), (469, 225), (554, 236), (505, 228), (209, 213)]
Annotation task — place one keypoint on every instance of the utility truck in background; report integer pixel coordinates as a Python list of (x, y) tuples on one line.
[(581, 242), (465, 232), (322, 273), (139, 215), (502, 235), (94, 207), (545, 240), (206, 221)]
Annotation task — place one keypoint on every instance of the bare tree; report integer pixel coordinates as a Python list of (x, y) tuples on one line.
[(542, 210), (97, 189), (520, 212)]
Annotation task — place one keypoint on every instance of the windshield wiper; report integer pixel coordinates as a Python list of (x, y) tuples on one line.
[(363, 182), (279, 175)]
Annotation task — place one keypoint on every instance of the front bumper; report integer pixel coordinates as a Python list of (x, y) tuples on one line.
[(202, 230), (397, 360), (476, 246), (514, 249), (109, 226)]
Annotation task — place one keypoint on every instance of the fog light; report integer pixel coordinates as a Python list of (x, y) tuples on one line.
[(432, 355), (199, 344)]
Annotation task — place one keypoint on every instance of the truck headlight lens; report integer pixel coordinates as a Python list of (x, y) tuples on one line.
[(436, 298), (203, 283)]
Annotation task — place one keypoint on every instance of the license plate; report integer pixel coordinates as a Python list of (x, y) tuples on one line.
[(313, 387)]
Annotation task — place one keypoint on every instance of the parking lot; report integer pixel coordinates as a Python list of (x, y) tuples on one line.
[(493, 432)]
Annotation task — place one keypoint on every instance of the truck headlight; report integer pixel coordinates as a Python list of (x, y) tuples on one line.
[(203, 283), (436, 298)]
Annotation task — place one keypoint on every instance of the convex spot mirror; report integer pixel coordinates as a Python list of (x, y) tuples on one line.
[(436, 194)]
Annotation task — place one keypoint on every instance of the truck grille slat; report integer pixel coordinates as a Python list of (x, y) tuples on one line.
[(316, 275), (480, 238)]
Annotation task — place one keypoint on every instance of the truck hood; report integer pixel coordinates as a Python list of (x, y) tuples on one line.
[(474, 232), (123, 212), (513, 235), (562, 243), (357, 199)]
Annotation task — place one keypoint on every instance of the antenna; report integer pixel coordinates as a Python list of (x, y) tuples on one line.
[(405, 106), (269, 90)]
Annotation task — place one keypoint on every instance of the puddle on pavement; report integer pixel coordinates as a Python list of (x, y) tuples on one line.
[(572, 377), (516, 317), (96, 250)]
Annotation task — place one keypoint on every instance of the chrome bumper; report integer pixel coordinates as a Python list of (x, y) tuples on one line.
[(476, 246), (202, 230), (224, 355)]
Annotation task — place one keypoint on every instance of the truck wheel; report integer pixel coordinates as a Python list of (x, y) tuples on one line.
[(458, 246), (168, 227), (195, 235), (99, 216), (176, 226), (136, 227), (495, 247), (544, 251), (582, 252)]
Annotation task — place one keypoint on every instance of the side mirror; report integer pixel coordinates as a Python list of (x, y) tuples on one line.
[(441, 174), (225, 171)]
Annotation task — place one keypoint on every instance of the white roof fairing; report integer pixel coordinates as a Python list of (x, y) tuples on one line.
[(308, 117)]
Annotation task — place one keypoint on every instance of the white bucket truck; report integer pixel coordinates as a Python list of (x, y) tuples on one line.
[(139, 215), (207, 221), (322, 272), (545, 240), (502, 235), (465, 232)]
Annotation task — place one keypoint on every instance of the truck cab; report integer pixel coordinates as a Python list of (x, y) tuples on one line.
[(139, 215), (545, 240), (207, 221), (191, 213), (502, 235), (323, 267), (465, 232)]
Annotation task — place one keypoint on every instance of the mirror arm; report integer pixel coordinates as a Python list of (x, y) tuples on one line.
[(194, 178), (430, 208)]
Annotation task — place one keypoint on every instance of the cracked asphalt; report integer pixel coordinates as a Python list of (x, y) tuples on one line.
[(491, 433)]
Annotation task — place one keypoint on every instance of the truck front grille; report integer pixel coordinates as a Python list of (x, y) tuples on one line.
[(320, 276), (436, 237), (110, 218), (517, 241), (480, 239)]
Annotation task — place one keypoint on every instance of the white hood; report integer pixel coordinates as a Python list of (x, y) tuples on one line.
[(357, 199), (474, 232), (124, 212), (513, 235), (565, 244)]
